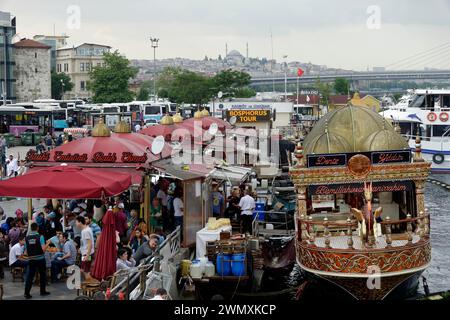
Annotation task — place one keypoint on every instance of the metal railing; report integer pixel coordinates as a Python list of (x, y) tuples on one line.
[(276, 224), (130, 276)]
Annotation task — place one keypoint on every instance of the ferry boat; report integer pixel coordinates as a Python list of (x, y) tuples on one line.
[(426, 113), (361, 223)]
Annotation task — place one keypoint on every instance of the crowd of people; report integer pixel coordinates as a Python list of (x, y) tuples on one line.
[(238, 206), (73, 230)]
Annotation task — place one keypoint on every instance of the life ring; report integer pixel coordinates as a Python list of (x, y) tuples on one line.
[(443, 116), (438, 158), (432, 116)]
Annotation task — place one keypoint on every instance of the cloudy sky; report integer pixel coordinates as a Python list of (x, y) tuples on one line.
[(353, 34)]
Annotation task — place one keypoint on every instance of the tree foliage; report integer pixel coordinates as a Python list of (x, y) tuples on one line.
[(144, 91), (324, 91), (58, 88), (109, 83), (341, 86), (231, 83), (183, 86)]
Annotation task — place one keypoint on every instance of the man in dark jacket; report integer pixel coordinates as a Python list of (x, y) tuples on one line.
[(35, 247)]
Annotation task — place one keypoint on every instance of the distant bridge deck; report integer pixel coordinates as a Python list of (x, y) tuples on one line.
[(356, 76)]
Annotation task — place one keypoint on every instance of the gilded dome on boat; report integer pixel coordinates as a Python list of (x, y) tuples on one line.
[(177, 118), (327, 143), (122, 127), (101, 130), (385, 140), (166, 120), (361, 128)]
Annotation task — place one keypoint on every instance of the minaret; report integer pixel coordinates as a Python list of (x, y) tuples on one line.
[(226, 49), (247, 51)]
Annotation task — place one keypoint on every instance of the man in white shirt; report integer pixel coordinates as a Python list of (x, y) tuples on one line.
[(247, 205), (16, 252), (12, 166), (137, 127), (178, 211), (87, 244)]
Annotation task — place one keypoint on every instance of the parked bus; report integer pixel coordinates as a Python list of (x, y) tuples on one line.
[(16, 120)]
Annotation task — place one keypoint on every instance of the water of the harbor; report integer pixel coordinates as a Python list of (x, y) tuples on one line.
[(437, 200)]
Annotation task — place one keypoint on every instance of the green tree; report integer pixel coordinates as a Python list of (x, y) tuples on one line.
[(246, 92), (109, 83), (341, 86), (324, 91), (183, 86), (144, 91), (60, 83), (230, 82)]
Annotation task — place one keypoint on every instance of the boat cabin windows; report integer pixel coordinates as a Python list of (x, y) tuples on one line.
[(437, 130), (337, 207), (410, 128), (430, 101)]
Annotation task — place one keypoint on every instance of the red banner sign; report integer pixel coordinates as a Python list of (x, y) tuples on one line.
[(98, 157)]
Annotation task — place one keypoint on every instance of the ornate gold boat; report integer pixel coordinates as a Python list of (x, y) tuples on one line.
[(361, 221)]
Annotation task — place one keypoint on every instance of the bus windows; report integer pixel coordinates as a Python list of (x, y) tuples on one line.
[(152, 110), (135, 108)]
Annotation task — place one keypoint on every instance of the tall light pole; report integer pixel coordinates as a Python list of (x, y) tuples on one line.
[(285, 77), (154, 46), (62, 88)]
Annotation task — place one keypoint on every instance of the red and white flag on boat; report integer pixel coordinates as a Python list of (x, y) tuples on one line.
[(300, 72)]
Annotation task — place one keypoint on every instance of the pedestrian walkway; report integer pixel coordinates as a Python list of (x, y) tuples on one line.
[(15, 290)]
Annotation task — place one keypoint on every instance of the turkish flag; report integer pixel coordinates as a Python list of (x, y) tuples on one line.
[(300, 72)]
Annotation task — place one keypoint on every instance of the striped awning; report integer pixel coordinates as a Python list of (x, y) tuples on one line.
[(76, 130)]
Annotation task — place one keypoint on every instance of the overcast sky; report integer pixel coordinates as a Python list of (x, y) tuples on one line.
[(334, 33)]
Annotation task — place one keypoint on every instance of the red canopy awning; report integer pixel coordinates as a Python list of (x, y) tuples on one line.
[(66, 182), (207, 121), (119, 149), (166, 130)]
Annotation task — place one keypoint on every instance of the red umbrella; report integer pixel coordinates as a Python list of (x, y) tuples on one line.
[(66, 182), (105, 258)]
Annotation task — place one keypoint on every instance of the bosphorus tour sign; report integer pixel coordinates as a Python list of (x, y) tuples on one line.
[(244, 116)]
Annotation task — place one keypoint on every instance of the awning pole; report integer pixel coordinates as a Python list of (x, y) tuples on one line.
[(30, 213), (147, 203)]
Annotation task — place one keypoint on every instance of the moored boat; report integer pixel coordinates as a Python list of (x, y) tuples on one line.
[(362, 227)]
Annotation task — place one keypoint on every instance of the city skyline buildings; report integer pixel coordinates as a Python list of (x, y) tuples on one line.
[(347, 34)]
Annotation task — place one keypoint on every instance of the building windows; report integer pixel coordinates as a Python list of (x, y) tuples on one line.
[(81, 66), (66, 67), (88, 66), (99, 64), (35, 55), (82, 85), (58, 67), (35, 70)]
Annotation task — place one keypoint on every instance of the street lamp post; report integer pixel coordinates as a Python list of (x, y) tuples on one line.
[(285, 77), (154, 46), (62, 88)]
